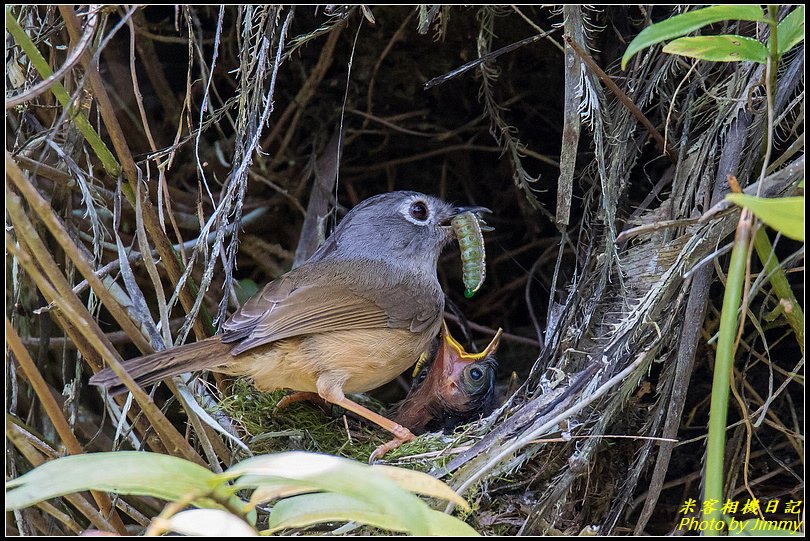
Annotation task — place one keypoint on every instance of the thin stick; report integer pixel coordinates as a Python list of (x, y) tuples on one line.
[(622, 97), (119, 141), (57, 229), (96, 346)]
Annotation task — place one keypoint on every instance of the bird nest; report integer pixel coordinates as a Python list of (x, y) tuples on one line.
[(219, 145)]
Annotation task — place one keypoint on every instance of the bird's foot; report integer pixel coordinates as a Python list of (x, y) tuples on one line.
[(380, 451)]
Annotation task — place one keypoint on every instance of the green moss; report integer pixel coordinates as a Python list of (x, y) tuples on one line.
[(306, 426)]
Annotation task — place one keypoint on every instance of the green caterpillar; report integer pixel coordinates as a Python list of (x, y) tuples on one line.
[(468, 227)]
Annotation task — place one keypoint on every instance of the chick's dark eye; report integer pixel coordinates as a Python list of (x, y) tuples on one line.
[(476, 374), (419, 211)]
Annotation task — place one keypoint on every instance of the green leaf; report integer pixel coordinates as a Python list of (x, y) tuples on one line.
[(310, 509), (790, 31), (124, 472), (682, 24), (446, 525), (785, 214), (421, 483), (332, 474), (412, 481), (726, 48)]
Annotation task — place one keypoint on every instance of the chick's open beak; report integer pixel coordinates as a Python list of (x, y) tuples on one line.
[(452, 356)]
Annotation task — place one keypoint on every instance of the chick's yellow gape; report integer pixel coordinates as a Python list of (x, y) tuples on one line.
[(359, 312)]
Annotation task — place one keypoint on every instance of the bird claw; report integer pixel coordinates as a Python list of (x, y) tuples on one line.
[(380, 451)]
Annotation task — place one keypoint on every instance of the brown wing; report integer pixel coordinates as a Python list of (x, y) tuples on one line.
[(320, 298)]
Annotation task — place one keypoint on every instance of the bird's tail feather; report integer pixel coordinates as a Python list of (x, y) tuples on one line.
[(154, 367)]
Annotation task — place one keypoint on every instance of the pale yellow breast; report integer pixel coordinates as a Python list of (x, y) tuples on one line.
[(361, 359)]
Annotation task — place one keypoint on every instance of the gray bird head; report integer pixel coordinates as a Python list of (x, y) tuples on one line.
[(409, 228)]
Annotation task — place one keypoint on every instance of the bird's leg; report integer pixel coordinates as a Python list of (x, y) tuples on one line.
[(334, 394), (300, 396)]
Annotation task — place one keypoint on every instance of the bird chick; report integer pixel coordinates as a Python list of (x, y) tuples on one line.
[(454, 387)]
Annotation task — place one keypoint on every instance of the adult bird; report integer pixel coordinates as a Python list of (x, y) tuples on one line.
[(358, 313)]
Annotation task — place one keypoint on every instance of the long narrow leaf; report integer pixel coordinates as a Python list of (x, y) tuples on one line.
[(124, 472), (726, 48), (442, 524), (421, 483), (789, 305), (791, 30), (332, 474), (785, 214), (682, 24), (309, 509), (713, 475)]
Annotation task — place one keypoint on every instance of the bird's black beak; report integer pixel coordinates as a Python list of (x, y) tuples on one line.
[(475, 210), (447, 223)]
